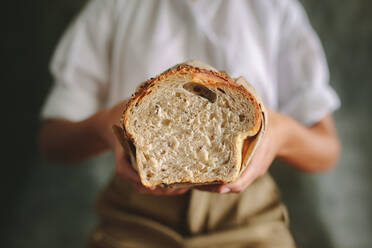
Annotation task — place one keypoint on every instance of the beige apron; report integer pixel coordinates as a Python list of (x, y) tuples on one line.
[(253, 218)]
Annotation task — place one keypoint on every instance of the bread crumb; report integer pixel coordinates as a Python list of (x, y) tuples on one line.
[(203, 155), (174, 143)]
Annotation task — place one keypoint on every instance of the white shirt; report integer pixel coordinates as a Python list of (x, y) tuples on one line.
[(114, 45)]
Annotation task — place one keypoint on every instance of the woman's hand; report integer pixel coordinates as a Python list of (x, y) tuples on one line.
[(123, 167), (311, 149), (265, 154)]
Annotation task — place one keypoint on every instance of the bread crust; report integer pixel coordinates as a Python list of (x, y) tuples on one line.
[(206, 77)]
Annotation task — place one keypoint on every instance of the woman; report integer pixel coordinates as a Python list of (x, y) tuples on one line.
[(114, 45)]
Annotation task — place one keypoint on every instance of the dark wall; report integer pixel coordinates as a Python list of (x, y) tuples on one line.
[(32, 29), (49, 205)]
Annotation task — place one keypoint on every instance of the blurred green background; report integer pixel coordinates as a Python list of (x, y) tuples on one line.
[(50, 205)]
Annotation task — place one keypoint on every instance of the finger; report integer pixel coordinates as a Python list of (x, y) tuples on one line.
[(142, 189), (161, 190), (209, 188), (124, 171), (131, 173), (123, 167), (257, 166), (176, 191), (246, 178), (169, 191)]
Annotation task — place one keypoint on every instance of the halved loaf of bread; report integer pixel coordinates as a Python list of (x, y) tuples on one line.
[(192, 125)]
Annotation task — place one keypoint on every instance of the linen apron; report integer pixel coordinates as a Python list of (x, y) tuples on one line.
[(253, 218)]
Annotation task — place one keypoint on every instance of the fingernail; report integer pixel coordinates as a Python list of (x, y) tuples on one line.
[(225, 190)]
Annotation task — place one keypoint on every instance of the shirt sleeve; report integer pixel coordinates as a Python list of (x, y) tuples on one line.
[(80, 65), (303, 76)]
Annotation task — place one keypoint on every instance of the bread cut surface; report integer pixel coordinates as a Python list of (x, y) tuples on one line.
[(188, 125)]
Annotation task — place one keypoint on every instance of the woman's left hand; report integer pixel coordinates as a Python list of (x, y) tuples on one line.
[(265, 153)]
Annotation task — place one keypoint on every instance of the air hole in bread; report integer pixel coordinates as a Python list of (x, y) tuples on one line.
[(221, 90), (241, 118), (146, 157), (149, 175), (157, 107), (201, 91)]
